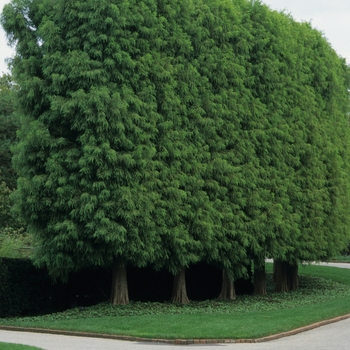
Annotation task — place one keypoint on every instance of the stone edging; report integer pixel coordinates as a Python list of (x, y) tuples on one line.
[(176, 341)]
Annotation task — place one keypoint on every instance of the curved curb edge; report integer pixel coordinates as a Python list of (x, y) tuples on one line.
[(176, 341)]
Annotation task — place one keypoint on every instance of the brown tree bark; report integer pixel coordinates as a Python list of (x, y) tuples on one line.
[(119, 291), (293, 278), (259, 279), (179, 289), (274, 271), (228, 291), (280, 276)]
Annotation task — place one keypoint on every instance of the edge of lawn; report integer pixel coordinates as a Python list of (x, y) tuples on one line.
[(177, 341), (15, 346)]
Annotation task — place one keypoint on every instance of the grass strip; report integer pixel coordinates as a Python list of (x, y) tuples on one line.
[(10, 346)]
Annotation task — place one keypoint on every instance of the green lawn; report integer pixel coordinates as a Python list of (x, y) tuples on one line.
[(9, 346), (324, 293)]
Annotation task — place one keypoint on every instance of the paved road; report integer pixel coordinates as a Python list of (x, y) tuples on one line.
[(341, 265), (332, 336)]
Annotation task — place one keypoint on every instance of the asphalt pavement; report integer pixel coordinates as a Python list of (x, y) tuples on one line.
[(332, 336)]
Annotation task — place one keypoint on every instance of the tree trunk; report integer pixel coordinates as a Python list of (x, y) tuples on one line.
[(274, 270), (119, 291), (280, 276), (228, 291), (179, 289), (293, 278), (259, 279)]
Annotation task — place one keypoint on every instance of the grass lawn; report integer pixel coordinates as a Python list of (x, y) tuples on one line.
[(324, 293), (9, 346)]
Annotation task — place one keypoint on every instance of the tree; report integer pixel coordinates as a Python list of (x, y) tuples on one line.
[(227, 103), (9, 123), (14, 241), (13, 237), (199, 173), (303, 86), (85, 153), (272, 61)]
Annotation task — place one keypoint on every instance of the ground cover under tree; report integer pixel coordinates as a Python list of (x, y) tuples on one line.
[(324, 293)]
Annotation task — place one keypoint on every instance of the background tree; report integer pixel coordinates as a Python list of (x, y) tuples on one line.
[(9, 123), (14, 242)]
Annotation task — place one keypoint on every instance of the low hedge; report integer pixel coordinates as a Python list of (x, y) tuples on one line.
[(26, 290)]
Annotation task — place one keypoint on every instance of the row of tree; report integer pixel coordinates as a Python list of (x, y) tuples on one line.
[(168, 132)]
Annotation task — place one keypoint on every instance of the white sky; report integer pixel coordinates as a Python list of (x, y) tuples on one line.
[(331, 17)]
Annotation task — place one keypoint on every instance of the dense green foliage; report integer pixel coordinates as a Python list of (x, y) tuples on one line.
[(9, 123), (166, 132), (13, 237), (303, 190), (14, 241), (12, 232)]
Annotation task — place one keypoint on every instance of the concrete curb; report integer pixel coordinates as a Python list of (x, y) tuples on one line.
[(177, 341)]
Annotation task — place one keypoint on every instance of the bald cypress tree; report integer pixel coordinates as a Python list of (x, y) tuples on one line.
[(85, 152), (272, 61), (291, 137), (301, 141), (323, 173), (228, 107)]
